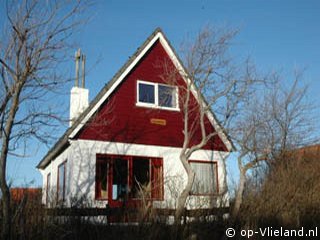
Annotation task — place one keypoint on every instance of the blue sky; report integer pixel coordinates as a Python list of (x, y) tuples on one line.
[(278, 35)]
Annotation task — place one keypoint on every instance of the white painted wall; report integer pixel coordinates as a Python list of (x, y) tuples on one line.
[(81, 160), (52, 168)]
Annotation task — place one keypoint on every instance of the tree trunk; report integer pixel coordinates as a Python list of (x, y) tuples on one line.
[(239, 195), (6, 212), (186, 191)]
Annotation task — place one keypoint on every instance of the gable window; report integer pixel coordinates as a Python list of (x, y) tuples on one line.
[(61, 186), (146, 93), (167, 96), (157, 95), (206, 178)]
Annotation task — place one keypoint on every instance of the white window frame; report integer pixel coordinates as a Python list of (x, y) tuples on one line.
[(156, 97), (64, 185), (48, 189)]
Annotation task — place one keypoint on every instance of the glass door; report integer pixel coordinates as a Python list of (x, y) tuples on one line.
[(119, 182)]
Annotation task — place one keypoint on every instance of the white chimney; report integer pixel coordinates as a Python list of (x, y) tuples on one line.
[(79, 99)]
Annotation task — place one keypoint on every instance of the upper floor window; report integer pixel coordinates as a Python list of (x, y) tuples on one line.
[(157, 95)]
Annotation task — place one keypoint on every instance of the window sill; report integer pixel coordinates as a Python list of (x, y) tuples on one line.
[(101, 199), (153, 106), (205, 194)]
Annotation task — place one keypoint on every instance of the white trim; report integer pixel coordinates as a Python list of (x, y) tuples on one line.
[(134, 149), (156, 105), (180, 68), (146, 105), (178, 65), (117, 82), (177, 96), (154, 92)]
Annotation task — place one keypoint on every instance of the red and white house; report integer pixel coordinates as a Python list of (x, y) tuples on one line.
[(129, 138)]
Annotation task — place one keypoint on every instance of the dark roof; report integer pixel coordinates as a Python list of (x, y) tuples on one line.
[(63, 142)]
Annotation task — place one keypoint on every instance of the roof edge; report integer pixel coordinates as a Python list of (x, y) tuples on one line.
[(109, 87)]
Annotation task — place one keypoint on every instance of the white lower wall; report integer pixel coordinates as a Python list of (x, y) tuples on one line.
[(81, 161)]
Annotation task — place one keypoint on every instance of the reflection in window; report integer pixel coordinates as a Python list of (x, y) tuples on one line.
[(120, 179), (157, 95), (167, 96), (146, 93), (125, 178)]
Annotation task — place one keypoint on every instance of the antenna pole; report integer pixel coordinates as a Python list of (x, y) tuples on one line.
[(83, 70), (77, 58)]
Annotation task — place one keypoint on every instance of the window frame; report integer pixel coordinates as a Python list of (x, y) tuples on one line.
[(215, 163), (64, 164), (100, 161), (154, 162), (156, 96), (131, 172), (48, 188)]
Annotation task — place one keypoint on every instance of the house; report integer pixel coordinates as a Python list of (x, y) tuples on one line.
[(124, 146), (30, 194)]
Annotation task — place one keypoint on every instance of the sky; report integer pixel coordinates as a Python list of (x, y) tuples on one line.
[(278, 35)]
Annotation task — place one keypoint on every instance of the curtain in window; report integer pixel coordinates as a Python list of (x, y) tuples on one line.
[(157, 179), (205, 178)]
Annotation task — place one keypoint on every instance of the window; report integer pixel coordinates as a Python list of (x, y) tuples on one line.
[(157, 95), (205, 182), (48, 200), (61, 190), (141, 177), (120, 183), (157, 179), (146, 93), (102, 179), (125, 178), (167, 96)]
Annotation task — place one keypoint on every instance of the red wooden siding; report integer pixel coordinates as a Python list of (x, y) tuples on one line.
[(120, 120)]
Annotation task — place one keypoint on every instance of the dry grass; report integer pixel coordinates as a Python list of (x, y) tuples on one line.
[(289, 196)]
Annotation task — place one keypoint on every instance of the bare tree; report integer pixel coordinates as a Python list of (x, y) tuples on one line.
[(32, 47), (216, 84), (276, 120)]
